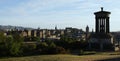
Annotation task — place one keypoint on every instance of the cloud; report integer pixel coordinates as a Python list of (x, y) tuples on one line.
[(36, 7), (44, 11), (54, 11)]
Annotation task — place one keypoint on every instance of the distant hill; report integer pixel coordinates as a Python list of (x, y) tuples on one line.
[(9, 27)]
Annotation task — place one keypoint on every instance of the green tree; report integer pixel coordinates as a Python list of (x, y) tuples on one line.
[(42, 45), (52, 45), (35, 38), (29, 49), (3, 46), (16, 44)]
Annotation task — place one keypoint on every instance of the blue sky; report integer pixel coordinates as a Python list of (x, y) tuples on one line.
[(63, 13)]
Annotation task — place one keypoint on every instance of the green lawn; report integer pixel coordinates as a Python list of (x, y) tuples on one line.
[(60, 58)]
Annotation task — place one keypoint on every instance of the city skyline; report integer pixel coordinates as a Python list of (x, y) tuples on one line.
[(60, 13)]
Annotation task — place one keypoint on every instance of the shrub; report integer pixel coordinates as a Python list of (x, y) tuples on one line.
[(42, 45), (29, 49), (60, 50)]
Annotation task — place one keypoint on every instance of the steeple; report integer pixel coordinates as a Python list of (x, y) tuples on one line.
[(56, 27), (101, 8), (87, 29), (87, 32), (38, 28), (92, 30)]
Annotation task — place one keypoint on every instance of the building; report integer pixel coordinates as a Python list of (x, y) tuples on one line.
[(74, 33)]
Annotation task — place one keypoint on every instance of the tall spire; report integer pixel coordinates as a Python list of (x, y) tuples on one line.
[(87, 29), (38, 28), (101, 8), (56, 27), (92, 30)]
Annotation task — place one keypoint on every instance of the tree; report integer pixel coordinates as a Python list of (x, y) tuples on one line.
[(52, 45), (29, 49), (3, 46), (60, 50), (16, 44), (35, 38), (42, 45)]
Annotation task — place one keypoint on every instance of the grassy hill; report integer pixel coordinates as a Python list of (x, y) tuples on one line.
[(61, 58)]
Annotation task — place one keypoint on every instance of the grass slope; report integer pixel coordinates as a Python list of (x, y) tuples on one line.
[(61, 58)]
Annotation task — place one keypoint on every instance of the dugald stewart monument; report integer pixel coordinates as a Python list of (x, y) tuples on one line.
[(101, 40)]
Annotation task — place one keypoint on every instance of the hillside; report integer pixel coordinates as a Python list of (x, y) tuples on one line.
[(61, 58), (9, 27)]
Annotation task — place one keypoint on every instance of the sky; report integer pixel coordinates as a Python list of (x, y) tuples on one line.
[(60, 13)]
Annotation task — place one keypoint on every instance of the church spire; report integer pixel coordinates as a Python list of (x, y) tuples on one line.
[(101, 8), (56, 27)]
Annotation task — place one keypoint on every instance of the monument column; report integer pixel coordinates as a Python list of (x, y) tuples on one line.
[(102, 21), (102, 28)]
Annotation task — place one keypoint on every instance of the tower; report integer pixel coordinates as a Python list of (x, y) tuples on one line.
[(56, 31), (102, 21), (55, 27), (87, 32), (87, 29)]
